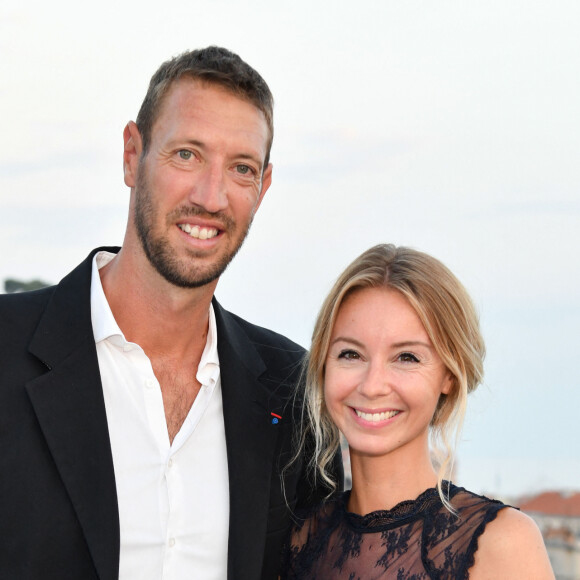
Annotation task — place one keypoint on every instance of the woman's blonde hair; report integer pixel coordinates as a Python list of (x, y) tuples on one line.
[(450, 319)]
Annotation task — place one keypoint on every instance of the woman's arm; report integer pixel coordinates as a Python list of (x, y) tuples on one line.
[(511, 547)]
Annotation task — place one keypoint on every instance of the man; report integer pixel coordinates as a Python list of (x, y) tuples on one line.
[(144, 430)]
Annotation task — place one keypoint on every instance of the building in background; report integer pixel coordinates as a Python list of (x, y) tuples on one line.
[(558, 517)]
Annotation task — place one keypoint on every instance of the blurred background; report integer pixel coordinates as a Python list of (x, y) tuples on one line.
[(452, 127)]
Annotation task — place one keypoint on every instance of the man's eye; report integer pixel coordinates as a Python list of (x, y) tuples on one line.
[(348, 354), (185, 154), (408, 357), (243, 169)]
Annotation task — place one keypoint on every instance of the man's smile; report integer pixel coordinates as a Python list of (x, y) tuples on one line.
[(200, 233)]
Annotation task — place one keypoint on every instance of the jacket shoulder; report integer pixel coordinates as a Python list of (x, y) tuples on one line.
[(270, 344), (21, 311), (268, 337)]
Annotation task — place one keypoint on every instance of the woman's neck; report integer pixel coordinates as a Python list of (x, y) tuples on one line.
[(380, 483)]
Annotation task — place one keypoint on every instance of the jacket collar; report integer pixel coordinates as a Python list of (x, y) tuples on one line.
[(69, 404), (251, 442)]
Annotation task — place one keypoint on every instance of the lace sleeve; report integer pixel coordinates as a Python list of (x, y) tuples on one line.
[(450, 541), (489, 515)]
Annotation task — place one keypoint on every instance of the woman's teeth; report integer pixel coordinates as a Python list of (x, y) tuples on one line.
[(376, 417)]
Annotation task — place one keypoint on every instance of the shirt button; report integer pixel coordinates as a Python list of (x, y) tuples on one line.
[(170, 463), (149, 383), (127, 347), (171, 542)]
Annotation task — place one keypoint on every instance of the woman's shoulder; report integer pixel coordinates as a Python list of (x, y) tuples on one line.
[(451, 532), (504, 542), (464, 500), (511, 547), (466, 513)]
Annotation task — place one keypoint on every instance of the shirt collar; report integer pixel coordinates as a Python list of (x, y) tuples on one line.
[(104, 323), (209, 365)]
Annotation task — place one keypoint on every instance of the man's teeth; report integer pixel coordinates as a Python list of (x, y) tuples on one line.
[(376, 417), (199, 233)]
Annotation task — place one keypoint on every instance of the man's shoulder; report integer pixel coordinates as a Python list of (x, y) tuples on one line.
[(271, 345), (276, 362), (30, 300), (22, 306), (20, 312), (266, 335)]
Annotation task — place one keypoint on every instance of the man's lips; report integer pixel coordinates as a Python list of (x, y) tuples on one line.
[(197, 232)]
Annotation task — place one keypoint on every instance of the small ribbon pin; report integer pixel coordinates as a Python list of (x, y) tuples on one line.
[(275, 418)]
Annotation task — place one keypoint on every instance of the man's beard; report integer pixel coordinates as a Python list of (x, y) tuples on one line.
[(184, 272)]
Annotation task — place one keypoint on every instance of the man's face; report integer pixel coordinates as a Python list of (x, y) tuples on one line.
[(200, 183)]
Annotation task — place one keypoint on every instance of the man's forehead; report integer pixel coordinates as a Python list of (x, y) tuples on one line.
[(209, 103), (186, 87), (194, 110)]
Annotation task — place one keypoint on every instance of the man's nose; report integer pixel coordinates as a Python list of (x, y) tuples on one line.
[(209, 190)]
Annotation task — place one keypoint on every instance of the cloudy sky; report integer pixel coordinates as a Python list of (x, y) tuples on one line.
[(449, 126)]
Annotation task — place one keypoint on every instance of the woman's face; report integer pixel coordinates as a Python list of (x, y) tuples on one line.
[(383, 378)]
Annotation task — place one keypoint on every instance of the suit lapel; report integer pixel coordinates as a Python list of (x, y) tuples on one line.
[(251, 441), (69, 404), (68, 401)]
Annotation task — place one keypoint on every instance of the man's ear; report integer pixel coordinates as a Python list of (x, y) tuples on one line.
[(266, 182), (131, 153)]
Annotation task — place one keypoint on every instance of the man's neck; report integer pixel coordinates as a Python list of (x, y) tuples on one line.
[(161, 318)]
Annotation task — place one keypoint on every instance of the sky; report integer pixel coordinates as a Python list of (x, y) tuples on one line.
[(452, 127)]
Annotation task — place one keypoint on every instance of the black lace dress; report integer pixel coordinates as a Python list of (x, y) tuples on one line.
[(416, 540)]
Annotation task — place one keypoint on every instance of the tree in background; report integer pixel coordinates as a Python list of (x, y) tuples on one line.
[(11, 285)]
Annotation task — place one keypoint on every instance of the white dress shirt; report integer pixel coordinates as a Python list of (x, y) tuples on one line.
[(173, 498)]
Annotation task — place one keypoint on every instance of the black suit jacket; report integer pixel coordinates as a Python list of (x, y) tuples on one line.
[(58, 504)]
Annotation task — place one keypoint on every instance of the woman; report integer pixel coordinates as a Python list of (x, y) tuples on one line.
[(396, 349)]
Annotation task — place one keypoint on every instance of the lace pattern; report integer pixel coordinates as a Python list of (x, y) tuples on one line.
[(416, 540)]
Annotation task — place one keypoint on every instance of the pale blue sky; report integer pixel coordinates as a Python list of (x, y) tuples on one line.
[(453, 127)]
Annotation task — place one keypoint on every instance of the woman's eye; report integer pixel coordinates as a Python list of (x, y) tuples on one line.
[(348, 354), (408, 357), (185, 154)]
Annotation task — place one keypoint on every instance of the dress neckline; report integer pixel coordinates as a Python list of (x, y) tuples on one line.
[(403, 512)]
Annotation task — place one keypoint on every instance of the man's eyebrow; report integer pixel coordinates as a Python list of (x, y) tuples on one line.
[(195, 142), (250, 157)]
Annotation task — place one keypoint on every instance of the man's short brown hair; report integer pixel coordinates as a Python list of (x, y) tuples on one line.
[(214, 65)]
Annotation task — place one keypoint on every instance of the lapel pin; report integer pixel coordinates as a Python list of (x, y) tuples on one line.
[(275, 418)]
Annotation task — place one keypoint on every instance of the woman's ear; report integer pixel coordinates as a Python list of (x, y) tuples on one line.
[(447, 385)]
